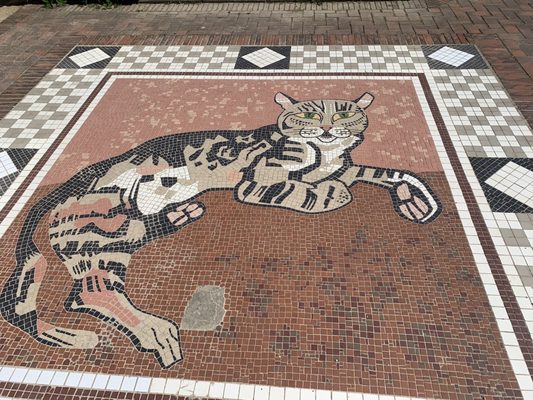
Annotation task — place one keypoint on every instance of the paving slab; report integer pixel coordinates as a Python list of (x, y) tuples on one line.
[(264, 217)]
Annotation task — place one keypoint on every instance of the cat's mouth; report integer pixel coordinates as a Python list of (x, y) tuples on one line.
[(327, 137)]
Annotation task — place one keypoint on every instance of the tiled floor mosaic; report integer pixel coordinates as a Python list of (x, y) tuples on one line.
[(282, 222)]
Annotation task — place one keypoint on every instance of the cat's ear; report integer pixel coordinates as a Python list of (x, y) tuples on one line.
[(283, 100), (365, 100)]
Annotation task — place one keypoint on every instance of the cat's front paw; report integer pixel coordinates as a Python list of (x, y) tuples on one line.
[(414, 201), (186, 214)]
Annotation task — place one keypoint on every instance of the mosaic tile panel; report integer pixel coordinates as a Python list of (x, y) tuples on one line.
[(277, 224)]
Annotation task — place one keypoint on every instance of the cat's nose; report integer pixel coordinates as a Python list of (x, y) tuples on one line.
[(326, 128)]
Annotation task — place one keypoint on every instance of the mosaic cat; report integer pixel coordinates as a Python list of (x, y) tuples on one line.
[(109, 210)]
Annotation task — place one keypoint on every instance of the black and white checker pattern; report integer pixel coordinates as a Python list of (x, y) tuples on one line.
[(358, 58), (454, 56), (89, 57), (47, 108), (483, 115), (174, 58), (261, 57)]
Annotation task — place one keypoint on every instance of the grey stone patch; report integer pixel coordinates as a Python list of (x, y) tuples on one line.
[(526, 275), (205, 310)]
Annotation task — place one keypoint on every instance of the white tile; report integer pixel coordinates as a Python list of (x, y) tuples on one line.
[(46, 377), (114, 382), (216, 390), (261, 392), (32, 376), (339, 396), (307, 394), (525, 382), (277, 393), (73, 379), (56, 378), (158, 385), (172, 386), (519, 367), (246, 392), (128, 383), (5, 373), (231, 391), (100, 381), (355, 396), (86, 380), (186, 387), (323, 395), (143, 384), (18, 375), (201, 388)]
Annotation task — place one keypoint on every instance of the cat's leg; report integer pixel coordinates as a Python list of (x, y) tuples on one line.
[(295, 195), (412, 198), (96, 245), (101, 293)]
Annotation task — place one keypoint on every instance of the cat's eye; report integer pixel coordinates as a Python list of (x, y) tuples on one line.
[(309, 115), (342, 115)]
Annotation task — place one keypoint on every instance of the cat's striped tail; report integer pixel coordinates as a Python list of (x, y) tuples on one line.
[(18, 300)]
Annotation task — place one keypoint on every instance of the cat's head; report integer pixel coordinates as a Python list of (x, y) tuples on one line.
[(327, 123)]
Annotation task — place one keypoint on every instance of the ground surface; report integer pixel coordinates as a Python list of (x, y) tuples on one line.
[(279, 299)]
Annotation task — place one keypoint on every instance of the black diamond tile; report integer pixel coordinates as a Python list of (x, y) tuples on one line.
[(498, 201), (477, 62), (68, 63), (242, 63)]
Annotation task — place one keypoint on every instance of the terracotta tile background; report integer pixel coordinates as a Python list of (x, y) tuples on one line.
[(135, 110)]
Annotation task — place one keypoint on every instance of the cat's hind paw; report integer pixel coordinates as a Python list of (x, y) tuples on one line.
[(414, 201), (186, 213)]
